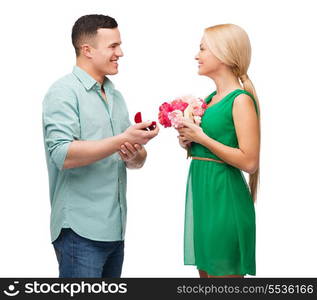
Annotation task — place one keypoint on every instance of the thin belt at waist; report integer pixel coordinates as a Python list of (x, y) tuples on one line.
[(208, 159)]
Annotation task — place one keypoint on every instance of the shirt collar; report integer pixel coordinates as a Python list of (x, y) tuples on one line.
[(89, 81)]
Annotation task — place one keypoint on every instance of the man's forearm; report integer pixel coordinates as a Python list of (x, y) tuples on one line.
[(83, 153), (138, 161)]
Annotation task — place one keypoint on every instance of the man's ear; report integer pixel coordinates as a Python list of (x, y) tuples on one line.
[(86, 50)]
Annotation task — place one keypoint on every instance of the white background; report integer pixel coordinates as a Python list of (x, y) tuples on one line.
[(160, 40)]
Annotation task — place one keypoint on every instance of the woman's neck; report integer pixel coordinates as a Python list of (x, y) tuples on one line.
[(226, 82)]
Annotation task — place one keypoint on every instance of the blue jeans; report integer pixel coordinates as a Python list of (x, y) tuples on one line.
[(81, 257)]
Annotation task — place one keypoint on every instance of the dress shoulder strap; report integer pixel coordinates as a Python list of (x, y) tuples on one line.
[(240, 91), (207, 100)]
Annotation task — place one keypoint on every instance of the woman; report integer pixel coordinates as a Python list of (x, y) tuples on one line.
[(220, 216)]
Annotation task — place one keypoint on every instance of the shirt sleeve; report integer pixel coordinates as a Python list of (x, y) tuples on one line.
[(60, 123)]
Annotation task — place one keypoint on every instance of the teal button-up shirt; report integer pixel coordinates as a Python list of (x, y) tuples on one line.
[(91, 199)]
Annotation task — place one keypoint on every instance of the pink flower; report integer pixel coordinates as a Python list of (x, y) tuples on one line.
[(164, 120), (166, 107), (198, 111), (176, 117), (178, 104)]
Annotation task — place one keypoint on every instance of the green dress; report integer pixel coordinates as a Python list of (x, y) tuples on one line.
[(219, 235)]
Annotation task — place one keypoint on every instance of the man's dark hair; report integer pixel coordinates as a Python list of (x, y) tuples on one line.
[(87, 26)]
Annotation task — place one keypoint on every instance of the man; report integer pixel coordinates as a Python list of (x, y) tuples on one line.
[(89, 142)]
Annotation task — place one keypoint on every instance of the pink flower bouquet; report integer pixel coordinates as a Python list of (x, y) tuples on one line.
[(186, 108)]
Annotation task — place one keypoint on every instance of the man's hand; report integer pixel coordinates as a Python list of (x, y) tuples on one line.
[(136, 135), (129, 152), (133, 155)]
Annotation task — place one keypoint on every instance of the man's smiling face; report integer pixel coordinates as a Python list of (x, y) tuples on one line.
[(105, 51)]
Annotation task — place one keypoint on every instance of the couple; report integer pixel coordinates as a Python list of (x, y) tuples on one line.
[(89, 142)]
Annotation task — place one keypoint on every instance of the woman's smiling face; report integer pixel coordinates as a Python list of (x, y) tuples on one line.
[(208, 63)]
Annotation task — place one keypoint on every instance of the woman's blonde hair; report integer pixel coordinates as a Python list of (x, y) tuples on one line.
[(231, 45)]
